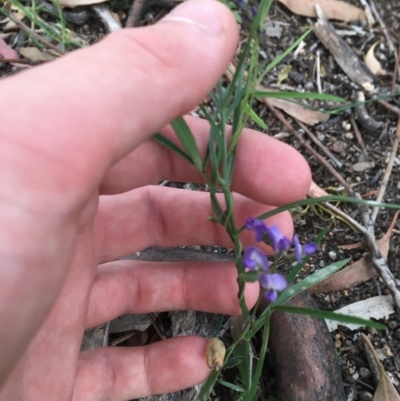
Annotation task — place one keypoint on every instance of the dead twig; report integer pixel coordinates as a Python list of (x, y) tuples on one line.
[(389, 106), (383, 27), (377, 259), (135, 13), (388, 171), (396, 72), (32, 33), (321, 160), (343, 54), (104, 13), (22, 61), (358, 136), (338, 163)]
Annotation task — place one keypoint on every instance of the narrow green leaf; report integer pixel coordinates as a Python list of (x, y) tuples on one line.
[(253, 115), (324, 314), (205, 392), (170, 145), (322, 199), (231, 386), (234, 361), (309, 281), (299, 95), (249, 277), (278, 59), (187, 139)]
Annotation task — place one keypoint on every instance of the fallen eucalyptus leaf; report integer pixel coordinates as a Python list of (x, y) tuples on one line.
[(34, 54), (375, 307), (332, 9), (296, 110), (359, 271), (385, 390)]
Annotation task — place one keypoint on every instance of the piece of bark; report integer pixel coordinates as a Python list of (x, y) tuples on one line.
[(303, 356), (348, 61)]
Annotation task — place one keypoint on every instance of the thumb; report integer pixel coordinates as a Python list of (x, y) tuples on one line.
[(106, 99)]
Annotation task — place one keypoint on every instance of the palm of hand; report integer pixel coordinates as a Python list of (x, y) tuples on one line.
[(63, 241)]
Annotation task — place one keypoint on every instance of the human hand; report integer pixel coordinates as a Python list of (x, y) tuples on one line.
[(79, 128)]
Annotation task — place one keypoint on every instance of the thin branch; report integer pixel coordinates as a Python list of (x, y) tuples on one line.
[(22, 61), (358, 135), (338, 163), (396, 72), (383, 27), (135, 13), (377, 259), (388, 171), (32, 33), (346, 217), (389, 106), (321, 160)]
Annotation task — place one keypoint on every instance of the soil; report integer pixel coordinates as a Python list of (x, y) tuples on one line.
[(338, 136)]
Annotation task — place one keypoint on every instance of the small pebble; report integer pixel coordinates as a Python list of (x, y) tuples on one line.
[(349, 135), (392, 324), (364, 396), (332, 255), (364, 373)]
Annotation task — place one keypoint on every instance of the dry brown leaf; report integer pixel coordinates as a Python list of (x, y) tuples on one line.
[(385, 390), (372, 63), (316, 191), (352, 246), (332, 9), (34, 54), (359, 271), (297, 111)]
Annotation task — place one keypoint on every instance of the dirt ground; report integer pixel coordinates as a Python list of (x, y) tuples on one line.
[(362, 159)]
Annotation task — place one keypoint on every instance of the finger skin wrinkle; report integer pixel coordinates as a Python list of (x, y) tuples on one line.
[(157, 56), (185, 286), (134, 292), (155, 216), (148, 370)]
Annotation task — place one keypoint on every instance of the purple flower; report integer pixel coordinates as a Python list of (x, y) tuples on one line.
[(257, 226), (278, 241), (272, 283), (254, 258), (303, 250)]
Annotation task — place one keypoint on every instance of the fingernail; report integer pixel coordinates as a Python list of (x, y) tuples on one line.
[(205, 14)]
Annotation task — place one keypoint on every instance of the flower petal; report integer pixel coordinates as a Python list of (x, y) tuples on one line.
[(273, 281), (309, 248), (270, 296), (297, 248), (257, 226), (277, 240), (254, 257)]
